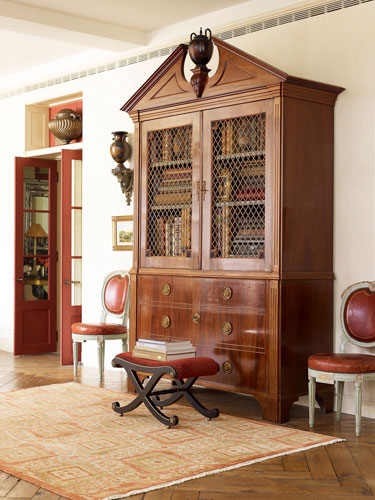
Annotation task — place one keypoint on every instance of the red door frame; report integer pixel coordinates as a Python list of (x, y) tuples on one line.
[(68, 314), (34, 320)]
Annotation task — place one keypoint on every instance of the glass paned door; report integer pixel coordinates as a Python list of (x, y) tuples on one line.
[(71, 249), (35, 256), (236, 221), (170, 170)]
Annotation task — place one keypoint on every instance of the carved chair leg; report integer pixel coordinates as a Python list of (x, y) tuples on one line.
[(124, 345), (312, 391), (75, 358), (358, 407), (100, 359), (340, 392)]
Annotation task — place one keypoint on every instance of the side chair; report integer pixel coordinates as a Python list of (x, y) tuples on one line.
[(115, 303), (358, 326)]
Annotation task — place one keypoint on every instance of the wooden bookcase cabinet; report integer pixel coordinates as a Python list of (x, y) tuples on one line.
[(234, 222)]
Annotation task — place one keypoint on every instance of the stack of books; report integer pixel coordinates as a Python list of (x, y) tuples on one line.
[(175, 188), (163, 350)]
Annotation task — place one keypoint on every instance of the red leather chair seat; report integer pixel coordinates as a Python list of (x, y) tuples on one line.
[(342, 363), (185, 368), (98, 328)]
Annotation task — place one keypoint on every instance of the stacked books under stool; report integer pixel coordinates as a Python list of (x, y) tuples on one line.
[(163, 350)]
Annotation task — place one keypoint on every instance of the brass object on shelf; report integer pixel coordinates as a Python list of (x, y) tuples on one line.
[(227, 367), (227, 328), (227, 292), (166, 289), (165, 321), (196, 318), (66, 126)]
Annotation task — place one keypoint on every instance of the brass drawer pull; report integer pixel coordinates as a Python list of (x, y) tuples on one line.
[(227, 292), (227, 367), (196, 317), (166, 289), (165, 321), (227, 328)]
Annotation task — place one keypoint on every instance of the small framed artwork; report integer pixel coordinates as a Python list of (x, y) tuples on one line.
[(122, 232)]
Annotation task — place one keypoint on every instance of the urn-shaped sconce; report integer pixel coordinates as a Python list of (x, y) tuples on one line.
[(200, 50), (120, 152)]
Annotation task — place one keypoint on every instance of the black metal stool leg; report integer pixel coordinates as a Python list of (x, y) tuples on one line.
[(144, 397)]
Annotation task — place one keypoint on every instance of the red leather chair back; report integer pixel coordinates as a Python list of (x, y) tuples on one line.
[(115, 294), (359, 315)]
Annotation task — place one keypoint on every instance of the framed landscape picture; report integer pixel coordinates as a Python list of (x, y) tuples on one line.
[(122, 232)]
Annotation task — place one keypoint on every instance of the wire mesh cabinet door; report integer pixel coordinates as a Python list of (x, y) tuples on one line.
[(237, 177), (171, 157)]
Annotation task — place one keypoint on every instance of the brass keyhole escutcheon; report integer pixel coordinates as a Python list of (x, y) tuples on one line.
[(166, 289), (165, 321), (196, 317), (227, 367), (227, 328), (227, 292)]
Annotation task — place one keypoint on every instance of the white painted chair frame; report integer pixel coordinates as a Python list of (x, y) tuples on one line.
[(341, 378), (100, 339)]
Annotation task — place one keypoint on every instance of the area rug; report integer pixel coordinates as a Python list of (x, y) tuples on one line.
[(66, 439)]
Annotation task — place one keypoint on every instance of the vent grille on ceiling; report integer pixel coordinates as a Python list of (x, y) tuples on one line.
[(271, 22)]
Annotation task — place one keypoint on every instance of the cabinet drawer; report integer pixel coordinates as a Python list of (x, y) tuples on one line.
[(203, 327), (237, 368), (247, 295)]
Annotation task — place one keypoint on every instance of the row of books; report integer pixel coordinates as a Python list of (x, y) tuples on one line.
[(242, 135), (172, 234), (163, 350), (175, 187), (170, 144)]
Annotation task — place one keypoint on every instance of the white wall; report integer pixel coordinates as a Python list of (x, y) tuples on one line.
[(335, 48)]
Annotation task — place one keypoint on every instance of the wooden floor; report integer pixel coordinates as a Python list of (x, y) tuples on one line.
[(344, 470)]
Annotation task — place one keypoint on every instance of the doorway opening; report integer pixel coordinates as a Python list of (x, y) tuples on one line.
[(48, 252)]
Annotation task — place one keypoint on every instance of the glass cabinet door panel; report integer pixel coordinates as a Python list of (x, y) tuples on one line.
[(76, 183), (239, 179), (76, 236), (35, 279), (169, 192), (76, 287), (170, 168), (35, 188), (35, 226)]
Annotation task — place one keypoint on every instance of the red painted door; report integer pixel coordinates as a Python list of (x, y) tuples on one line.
[(71, 249), (35, 256)]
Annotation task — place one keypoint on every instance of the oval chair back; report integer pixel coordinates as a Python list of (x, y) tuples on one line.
[(358, 327), (358, 314), (115, 296)]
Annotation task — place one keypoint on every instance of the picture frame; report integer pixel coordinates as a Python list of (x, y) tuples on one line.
[(122, 233)]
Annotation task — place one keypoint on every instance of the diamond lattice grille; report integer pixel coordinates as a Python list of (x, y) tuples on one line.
[(238, 187), (169, 192)]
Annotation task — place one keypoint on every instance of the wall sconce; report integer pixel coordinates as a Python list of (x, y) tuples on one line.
[(120, 151), (200, 50)]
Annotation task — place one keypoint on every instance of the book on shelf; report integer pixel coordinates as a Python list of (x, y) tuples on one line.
[(250, 232), (179, 188), (161, 356), (225, 231), (172, 198)]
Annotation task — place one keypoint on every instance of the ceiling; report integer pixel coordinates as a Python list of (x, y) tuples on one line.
[(39, 32)]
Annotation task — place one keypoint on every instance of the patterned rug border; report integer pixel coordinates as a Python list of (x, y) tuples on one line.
[(64, 493)]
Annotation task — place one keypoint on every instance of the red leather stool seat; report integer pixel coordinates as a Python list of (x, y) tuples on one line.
[(185, 368), (97, 328), (342, 363)]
